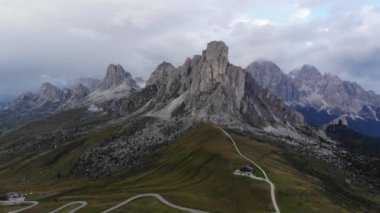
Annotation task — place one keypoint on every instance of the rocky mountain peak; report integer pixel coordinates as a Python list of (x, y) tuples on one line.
[(115, 76), (46, 86), (216, 55), (49, 92), (209, 88), (309, 72), (264, 70), (161, 73), (269, 75), (267, 64), (79, 92), (212, 68), (116, 84), (321, 97)]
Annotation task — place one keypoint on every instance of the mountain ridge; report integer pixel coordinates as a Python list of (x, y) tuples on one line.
[(322, 98), (115, 135), (231, 89)]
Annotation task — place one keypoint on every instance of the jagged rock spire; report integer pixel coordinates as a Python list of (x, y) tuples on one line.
[(208, 88), (115, 76), (216, 55)]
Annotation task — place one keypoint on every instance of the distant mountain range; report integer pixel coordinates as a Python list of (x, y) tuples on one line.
[(321, 98), (50, 99)]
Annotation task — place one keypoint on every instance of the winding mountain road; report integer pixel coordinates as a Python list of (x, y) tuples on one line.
[(32, 204), (158, 197), (82, 204), (266, 179)]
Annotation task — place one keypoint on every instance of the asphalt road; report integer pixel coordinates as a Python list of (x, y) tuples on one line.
[(32, 204), (158, 197), (82, 204)]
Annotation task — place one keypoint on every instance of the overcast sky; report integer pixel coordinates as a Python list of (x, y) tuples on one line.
[(58, 41)]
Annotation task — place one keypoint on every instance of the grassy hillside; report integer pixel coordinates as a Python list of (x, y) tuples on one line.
[(193, 171), (305, 183), (147, 205)]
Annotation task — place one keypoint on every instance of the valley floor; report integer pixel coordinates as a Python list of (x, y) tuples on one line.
[(194, 171)]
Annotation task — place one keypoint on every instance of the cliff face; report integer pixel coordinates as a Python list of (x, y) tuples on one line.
[(321, 98), (117, 84), (115, 76), (270, 76), (208, 87)]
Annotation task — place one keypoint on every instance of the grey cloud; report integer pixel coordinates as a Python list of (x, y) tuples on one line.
[(68, 39)]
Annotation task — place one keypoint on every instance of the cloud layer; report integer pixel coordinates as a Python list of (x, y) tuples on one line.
[(60, 41)]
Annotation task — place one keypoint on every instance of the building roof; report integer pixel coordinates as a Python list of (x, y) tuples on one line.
[(246, 168)]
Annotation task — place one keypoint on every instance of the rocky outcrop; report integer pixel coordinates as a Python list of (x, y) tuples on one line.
[(321, 97), (79, 92), (115, 76), (49, 99), (117, 84), (207, 85), (332, 91), (128, 149), (49, 92), (24, 101), (270, 76), (162, 74)]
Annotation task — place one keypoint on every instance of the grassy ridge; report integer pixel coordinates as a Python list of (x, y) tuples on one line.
[(193, 171)]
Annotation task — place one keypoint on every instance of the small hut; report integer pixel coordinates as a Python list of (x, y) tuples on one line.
[(15, 197), (247, 169)]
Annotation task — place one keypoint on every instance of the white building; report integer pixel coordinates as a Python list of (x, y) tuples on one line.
[(16, 197)]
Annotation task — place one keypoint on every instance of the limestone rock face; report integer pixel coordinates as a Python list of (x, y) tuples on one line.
[(161, 74), (117, 84), (79, 92), (49, 99), (214, 64), (270, 76), (321, 97), (208, 88), (49, 92), (307, 86), (23, 101), (216, 55), (306, 73), (329, 91), (115, 76)]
